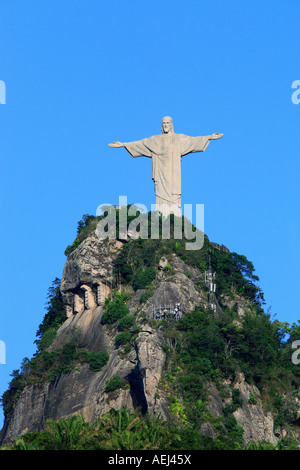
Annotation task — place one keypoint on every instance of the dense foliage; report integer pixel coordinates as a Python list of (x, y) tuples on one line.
[(115, 310), (143, 278), (204, 348), (124, 430), (55, 316)]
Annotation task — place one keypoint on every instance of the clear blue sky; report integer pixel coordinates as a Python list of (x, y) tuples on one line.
[(82, 73)]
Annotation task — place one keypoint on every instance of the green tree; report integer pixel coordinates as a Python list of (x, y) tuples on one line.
[(64, 434), (123, 338), (55, 316), (98, 360), (114, 384), (115, 310), (143, 278), (126, 322)]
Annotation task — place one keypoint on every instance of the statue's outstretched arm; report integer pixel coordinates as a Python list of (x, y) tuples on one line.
[(117, 144), (216, 136), (135, 149)]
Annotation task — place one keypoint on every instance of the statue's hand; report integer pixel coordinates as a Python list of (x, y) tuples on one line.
[(216, 136), (116, 144)]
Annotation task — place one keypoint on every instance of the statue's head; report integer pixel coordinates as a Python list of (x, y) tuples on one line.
[(167, 125)]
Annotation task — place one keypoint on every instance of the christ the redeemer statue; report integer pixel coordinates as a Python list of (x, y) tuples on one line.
[(166, 150)]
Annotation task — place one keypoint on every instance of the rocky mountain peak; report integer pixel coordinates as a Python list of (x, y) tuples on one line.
[(132, 336)]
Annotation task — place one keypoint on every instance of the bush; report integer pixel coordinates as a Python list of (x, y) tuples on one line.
[(123, 338), (85, 226), (143, 278), (126, 322), (114, 384), (98, 360), (146, 295), (71, 248), (237, 400), (252, 399), (47, 338), (54, 317), (115, 310), (127, 348)]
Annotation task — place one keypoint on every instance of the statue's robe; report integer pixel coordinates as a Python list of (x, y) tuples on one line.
[(166, 151)]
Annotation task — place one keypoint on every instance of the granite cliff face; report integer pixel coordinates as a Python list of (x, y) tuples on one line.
[(87, 281)]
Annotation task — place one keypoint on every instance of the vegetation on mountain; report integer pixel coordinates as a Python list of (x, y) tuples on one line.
[(204, 348), (54, 317), (201, 348), (114, 310), (114, 384), (124, 430), (85, 226), (47, 366)]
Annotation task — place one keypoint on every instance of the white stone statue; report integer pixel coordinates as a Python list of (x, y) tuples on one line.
[(166, 150)]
